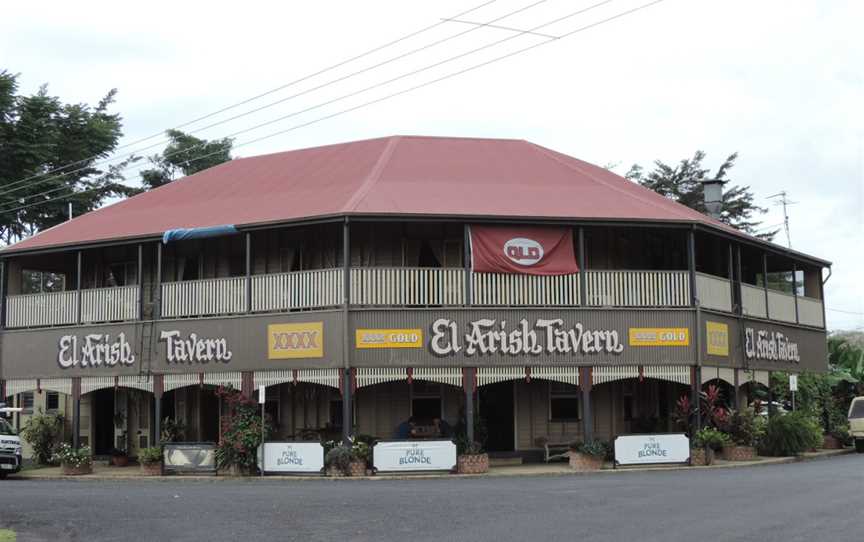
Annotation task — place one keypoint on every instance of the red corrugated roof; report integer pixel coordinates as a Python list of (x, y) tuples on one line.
[(400, 175)]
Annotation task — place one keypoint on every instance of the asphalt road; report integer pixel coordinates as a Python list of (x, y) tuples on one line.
[(813, 501)]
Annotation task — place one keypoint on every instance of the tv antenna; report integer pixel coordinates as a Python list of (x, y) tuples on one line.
[(785, 202)]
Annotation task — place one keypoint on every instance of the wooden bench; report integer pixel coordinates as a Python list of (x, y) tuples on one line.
[(553, 450)]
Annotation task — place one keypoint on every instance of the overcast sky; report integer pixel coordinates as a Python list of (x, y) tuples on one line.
[(780, 82)]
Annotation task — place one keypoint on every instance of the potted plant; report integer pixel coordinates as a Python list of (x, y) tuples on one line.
[(119, 457), (338, 461), (72, 461), (471, 459), (705, 444), (361, 454), (241, 434), (588, 456), (744, 430), (151, 461)]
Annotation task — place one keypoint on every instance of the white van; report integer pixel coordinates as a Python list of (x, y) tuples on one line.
[(10, 449), (856, 423)]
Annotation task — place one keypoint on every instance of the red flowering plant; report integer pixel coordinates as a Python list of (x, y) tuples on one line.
[(241, 431), (711, 409)]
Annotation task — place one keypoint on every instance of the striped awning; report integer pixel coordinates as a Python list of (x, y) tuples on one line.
[(370, 376), (20, 385), (566, 375), (442, 375), (60, 385), (273, 378), (672, 373), (173, 382), (491, 375), (324, 377), (232, 378)]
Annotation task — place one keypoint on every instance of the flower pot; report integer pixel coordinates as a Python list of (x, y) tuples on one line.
[(701, 457), (335, 472), (119, 460), (357, 468), (830, 442), (151, 469), (72, 470), (739, 453), (585, 462), (472, 463)]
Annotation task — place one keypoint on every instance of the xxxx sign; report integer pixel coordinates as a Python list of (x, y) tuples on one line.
[(288, 341)]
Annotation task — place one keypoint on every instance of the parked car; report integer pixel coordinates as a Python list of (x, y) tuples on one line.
[(856, 423), (779, 408), (10, 447)]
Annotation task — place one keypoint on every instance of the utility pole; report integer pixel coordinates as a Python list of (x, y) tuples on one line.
[(784, 201)]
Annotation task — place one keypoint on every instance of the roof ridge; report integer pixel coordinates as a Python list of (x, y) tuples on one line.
[(374, 174)]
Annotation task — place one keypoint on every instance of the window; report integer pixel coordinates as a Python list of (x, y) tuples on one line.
[(52, 400), (563, 402), (25, 401), (425, 401), (38, 282)]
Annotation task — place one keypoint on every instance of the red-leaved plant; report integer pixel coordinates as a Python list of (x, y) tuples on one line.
[(241, 430)]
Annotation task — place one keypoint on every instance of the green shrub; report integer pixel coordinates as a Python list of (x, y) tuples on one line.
[(708, 437), (149, 456), (42, 431), (791, 434), (339, 458), (744, 427), (466, 447), (67, 455), (595, 448)]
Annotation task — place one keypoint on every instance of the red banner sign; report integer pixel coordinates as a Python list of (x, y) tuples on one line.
[(526, 250)]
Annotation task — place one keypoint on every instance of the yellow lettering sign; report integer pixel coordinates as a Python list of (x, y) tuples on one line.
[(659, 336), (718, 338), (389, 338), (289, 341)]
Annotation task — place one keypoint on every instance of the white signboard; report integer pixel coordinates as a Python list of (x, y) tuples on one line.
[(292, 457), (793, 382), (420, 455), (652, 449)]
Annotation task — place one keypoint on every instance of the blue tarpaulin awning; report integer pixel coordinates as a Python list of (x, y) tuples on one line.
[(182, 234)]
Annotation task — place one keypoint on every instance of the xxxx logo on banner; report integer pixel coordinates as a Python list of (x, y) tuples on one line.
[(287, 341)]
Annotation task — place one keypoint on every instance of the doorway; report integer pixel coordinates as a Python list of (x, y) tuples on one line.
[(102, 407), (208, 415), (496, 410)]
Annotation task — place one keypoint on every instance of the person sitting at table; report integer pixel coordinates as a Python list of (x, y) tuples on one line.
[(442, 427), (406, 429)]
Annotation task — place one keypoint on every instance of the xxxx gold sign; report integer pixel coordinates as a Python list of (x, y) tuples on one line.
[(659, 336), (288, 341), (389, 338)]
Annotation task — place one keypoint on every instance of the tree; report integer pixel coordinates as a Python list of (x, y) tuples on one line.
[(683, 183), (187, 155), (38, 135)]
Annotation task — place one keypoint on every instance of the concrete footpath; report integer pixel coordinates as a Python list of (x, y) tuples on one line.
[(103, 471)]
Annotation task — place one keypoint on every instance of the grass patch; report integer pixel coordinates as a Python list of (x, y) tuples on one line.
[(7, 536)]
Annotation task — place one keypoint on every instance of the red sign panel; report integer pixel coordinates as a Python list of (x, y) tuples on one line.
[(526, 250)]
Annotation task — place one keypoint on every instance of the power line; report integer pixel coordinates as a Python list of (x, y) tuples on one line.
[(258, 96), (404, 91), (278, 119), (846, 312), (340, 98)]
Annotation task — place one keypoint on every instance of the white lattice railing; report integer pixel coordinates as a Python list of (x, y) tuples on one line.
[(407, 286), (810, 311), (753, 301), (638, 288), (714, 292), (509, 289), (297, 290), (110, 304), (204, 297), (48, 309), (781, 306)]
